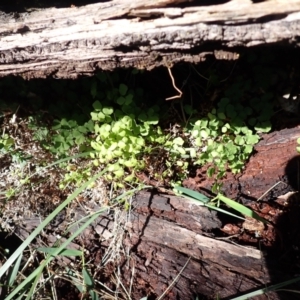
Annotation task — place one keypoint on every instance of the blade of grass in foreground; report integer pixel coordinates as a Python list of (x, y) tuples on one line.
[(56, 251), (33, 235), (37, 272), (242, 209), (200, 199), (14, 271), (224, 211), (193, 194), (267, 289), (64, 252)]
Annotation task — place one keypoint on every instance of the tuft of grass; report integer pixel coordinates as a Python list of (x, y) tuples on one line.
[(27, 287)]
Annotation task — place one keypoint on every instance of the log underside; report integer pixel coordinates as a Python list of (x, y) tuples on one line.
[(69, 42), (162, 232)]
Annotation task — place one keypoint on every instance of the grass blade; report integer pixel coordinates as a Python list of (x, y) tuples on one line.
[(64, 252), (33, 235), (224, 211), (88, 280), (14, 272), (192, 194), (36, 273), (267, 289), (39, 270), (242, 209)]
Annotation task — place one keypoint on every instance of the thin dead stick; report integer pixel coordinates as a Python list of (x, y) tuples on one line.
[(175, 87), (132, 277), (265, 193), (175, 279)]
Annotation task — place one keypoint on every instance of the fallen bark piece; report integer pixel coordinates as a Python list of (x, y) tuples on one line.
[(161, 247)]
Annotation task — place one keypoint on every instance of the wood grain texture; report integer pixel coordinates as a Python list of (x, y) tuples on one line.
[(69, 42), (158, 236)]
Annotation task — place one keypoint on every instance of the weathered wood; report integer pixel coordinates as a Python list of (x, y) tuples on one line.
[(76, 41), (160, 234)]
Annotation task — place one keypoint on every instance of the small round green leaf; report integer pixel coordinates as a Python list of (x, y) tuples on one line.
[(107, 110), (123, 89), (204, 134), (192, 152), (119, 173), (198, 142), (97, 105), (178, 141), (128, 99), (195, 132), (121, 100), (221, 116)]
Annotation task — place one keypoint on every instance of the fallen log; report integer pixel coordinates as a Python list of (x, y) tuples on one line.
[(68, 42), (166, 237), (161, 234)]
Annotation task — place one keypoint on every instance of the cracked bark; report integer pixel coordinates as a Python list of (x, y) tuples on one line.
[(74, 41), (161, 234)]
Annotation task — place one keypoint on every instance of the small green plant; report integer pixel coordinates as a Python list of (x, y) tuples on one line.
[(70, 134), (40, 131), (10, 192), (125, 133), (6, 143), (64, 135), (263, 108), (125, 136), (75, 176), (224, 138)]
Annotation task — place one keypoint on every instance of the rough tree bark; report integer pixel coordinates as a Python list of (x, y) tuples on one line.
[(76, 41), (163, 233)]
